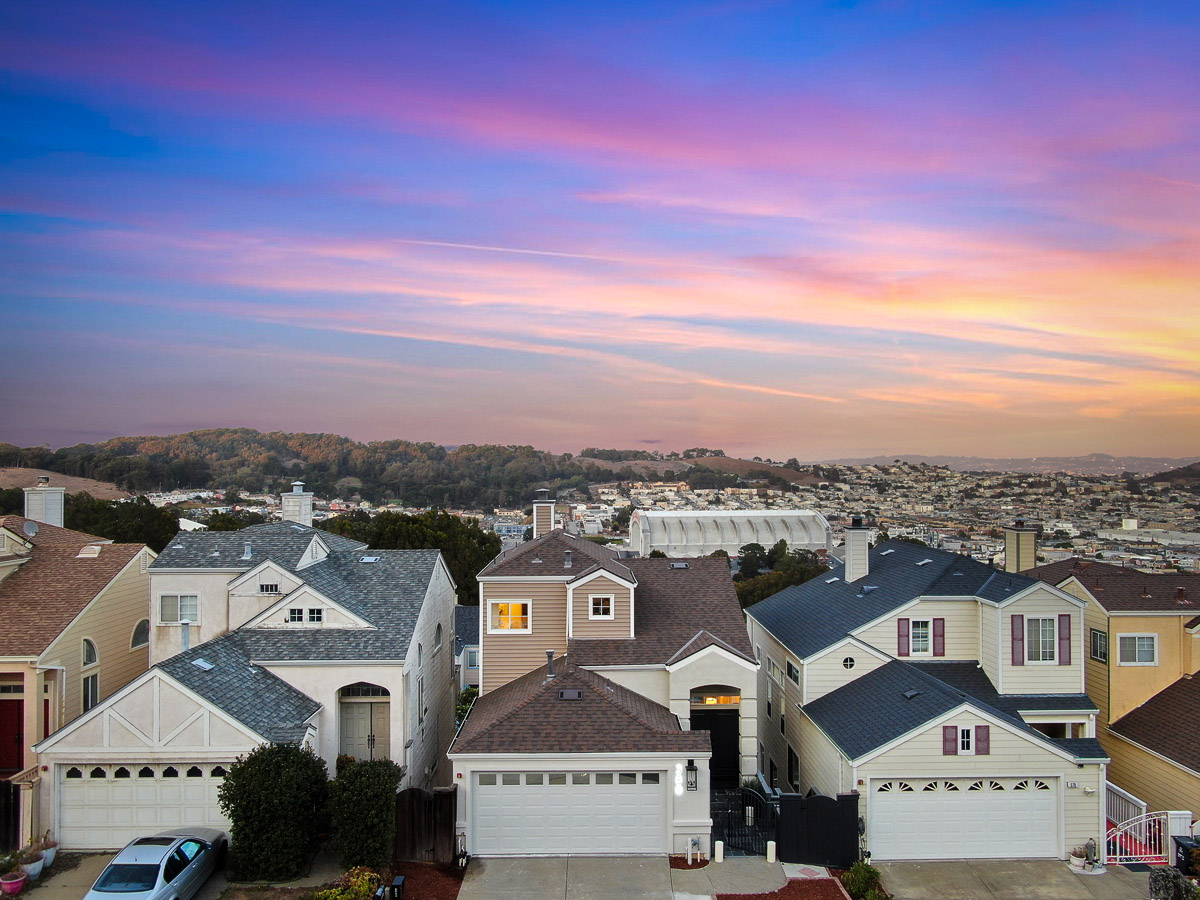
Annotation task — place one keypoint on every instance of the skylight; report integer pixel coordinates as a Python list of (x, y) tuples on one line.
[(204, 664), (369, 559), (831, 580), (887, 551), (924, 562)]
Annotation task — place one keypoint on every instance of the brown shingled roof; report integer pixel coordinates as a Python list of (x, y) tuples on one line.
[(47, 591), (550, 551), (527, 716), (1168, 723), (1119, 589), (674, 609)]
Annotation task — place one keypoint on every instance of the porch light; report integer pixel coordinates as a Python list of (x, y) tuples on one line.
[(693, 775)]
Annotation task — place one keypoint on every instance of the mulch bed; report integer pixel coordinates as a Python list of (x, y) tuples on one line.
[(427, 881), (797, 889), (679, 861)]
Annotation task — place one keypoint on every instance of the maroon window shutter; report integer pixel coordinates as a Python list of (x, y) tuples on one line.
[(1064, 639), (902, 637), (939, 637), (949, 740), (1018, 640), (983, 740)]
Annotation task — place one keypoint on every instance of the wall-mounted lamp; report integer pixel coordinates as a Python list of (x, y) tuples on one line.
[(693, 775)]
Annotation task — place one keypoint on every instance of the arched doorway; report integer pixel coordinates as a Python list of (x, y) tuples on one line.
[(365, 719), (716, 708)]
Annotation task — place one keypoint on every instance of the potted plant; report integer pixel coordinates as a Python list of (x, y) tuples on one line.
[(12, 879), (31, 862), (1078, 858), (49, 847)]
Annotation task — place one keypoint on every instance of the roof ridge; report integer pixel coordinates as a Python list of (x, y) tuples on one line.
[(533, 695), (612, 699)]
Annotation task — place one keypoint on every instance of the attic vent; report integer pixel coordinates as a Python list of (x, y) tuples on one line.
[(679, 565), (887, 551), (570, 694), (298, 527), (867, 588), (368, 559), (90, 551), (831, 580), (536, 560), (909, 694), (924, 562), (203, 664)]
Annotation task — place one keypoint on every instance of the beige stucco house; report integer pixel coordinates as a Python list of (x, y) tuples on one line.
[(275, 633), (614, 694), (947, 694)]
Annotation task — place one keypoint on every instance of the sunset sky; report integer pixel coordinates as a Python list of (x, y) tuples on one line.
[(785, 229)]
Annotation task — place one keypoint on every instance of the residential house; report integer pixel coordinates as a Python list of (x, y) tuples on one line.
[(73, 623), (1143, 651), (615, 693), (275, 633), (466, 645), (947, 694)]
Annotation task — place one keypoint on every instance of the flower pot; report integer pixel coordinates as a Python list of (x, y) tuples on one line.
[(1078, 861), (48, 855), (11, 884), (34, 869)]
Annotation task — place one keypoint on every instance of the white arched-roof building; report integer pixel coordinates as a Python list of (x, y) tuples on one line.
[(701, 532)]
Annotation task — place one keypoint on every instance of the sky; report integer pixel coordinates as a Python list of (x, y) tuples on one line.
[(809, 230)]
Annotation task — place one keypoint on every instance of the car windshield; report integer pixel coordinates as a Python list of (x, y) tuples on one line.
[(127, 879)]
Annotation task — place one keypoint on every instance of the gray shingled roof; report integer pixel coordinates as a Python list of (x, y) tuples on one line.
[(968, 677), (263, 702), (872, 710), (809, 617), (547, 556), (466, 628), (283, 542)]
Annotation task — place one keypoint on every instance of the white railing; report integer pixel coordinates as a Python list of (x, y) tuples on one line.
[(1121, 806), (1143, 839)]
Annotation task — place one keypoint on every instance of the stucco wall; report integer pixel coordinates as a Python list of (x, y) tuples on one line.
[(211, 588)]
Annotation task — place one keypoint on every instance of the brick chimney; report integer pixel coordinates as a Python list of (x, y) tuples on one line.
[(45, 504), (858, 545)]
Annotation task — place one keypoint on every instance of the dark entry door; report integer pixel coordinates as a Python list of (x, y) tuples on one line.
[(723, 723), (12, 736)]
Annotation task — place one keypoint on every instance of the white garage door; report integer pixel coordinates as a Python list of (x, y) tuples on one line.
[(103, 807), (524, 813), (963, 818)]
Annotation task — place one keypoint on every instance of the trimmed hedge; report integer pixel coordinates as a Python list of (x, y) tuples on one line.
[(364, 812), (275, 798)]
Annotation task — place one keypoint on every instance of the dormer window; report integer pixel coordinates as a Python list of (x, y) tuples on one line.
[(601, 606), (316, 616), (268, 589), (295, 615)]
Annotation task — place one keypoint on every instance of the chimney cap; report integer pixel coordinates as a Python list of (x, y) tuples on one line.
[(43, 479), (297, 487), (856, 521)]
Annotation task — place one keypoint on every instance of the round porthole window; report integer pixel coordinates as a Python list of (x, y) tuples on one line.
[(848, 662)]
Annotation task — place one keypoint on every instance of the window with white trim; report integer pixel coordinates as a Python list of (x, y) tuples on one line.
[(175, 608), (268, 589), (91, 691), (141, 635), (472, 658), (437, 638), (966, 741), (1099, 645), (509, 617), (1137, 649), (1041, 639), (793, 672), (316, 615), (90, 656), (295, 615), (600, 606), (920, 637), (774, 671)]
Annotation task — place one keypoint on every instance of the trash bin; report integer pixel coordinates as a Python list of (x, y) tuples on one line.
[(1183, 854)]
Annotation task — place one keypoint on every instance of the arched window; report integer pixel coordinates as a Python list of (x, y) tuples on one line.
[(437, 638), (141, 634), (90, 656), (420, 656)]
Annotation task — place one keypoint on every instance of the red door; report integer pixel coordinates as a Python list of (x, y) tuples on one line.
[(12, 735)]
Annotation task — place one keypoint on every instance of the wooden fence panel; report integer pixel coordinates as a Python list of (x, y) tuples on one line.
[(425, 825)]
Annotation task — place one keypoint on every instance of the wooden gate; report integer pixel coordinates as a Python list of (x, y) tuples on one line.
[(10, 816), (425, 825), (821, 831)]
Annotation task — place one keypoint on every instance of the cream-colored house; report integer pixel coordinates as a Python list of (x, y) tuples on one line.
[(947, 694), (275, 633), (611, 748), (1143, 651)]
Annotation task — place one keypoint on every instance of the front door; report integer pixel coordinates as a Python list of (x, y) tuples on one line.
[(723, 723), (12, 735), (365, 730)]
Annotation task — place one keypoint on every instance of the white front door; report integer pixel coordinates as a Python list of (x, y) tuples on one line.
[(963, 818), (105, 806), (583, 813), (365, 727)]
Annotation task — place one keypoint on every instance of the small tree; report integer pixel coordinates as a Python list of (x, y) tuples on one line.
[(275, 798), (364, 812)]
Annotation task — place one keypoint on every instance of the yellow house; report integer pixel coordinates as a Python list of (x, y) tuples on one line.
[(74, 628), (1143, 639)]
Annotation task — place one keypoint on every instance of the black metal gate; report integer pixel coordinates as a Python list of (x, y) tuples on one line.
[(820, 831), (744, 820)]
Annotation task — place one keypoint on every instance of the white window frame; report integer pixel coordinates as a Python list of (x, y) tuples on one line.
[(966, 740), (295, 616), (1041, 660), (493, 616), (612, 607), (789, 667), (179, 617), (1134, 636), (1093, 633), (83, 653), (133, 635), (437, 638), (774, 671), (268, 588), (912, 637), (316, 615), (91, 691), (472, 652)]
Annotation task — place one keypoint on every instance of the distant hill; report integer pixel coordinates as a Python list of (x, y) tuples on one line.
[(746, 468), (15, 477), (1092, 464), (1183, 477)]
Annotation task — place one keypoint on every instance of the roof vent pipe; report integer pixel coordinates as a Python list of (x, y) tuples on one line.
[(247, 553), (549, 663), (185, 632)]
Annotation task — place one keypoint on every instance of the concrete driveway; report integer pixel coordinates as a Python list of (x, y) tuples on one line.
[(613, 878), (1008, 879)]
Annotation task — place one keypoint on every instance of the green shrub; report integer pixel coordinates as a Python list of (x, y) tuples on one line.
[(463, 706), (364, 812), (275, 799), (862, 882), (357, 884)]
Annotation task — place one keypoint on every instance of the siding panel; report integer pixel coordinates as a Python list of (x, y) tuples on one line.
[(508, 656)]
